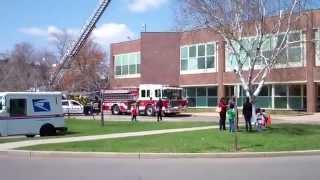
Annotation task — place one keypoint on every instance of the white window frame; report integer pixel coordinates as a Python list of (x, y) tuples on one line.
[(277, 66), (137, 75), (199, 71)]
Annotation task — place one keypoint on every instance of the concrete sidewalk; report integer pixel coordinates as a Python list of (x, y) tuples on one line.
[(14, 145), (209, 117)]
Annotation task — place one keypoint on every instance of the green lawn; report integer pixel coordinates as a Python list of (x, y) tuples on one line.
[(278, 138), (92, 127)]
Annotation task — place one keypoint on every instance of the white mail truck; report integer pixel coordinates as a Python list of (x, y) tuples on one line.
[(31, 113)]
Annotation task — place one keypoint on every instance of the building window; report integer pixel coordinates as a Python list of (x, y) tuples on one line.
[(198, 58), (264, 99), (295, 97), (317, 39), (126, 65), (291, 56), (280, 96), (201, 96)]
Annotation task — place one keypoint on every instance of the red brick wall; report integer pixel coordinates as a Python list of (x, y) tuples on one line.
[(160, 56)]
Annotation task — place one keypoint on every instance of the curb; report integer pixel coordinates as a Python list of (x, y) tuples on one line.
[(65, 154)]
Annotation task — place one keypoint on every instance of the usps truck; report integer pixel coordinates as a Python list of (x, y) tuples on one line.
[(31, 113)]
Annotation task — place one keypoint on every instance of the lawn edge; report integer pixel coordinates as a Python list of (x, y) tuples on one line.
[(67, 154)]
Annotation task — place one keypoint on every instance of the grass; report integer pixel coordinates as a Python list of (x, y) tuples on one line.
[(87, 127), (282, 137), (92, 127)]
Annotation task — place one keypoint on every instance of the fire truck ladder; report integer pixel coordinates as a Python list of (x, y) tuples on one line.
[(76, 45)]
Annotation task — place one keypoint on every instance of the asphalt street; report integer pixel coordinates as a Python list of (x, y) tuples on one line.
[(278, 168)]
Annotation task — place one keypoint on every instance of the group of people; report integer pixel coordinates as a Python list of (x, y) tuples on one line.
[(227, 111), (135, 111)]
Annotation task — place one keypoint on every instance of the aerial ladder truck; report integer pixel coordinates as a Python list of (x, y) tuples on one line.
[(77, 44)]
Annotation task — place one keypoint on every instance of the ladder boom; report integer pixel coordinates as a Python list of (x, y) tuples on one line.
[(76, 45)]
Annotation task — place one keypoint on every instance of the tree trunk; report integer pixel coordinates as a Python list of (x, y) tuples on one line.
[(254, 116)]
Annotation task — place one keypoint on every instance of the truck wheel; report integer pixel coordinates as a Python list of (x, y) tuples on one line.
[(47, 130), (115, 110), (150, 111), (30, 135)]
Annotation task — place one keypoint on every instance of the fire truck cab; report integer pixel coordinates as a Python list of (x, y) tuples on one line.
[(145, 98)]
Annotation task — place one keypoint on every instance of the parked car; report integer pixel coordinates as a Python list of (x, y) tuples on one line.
[(72, 107)]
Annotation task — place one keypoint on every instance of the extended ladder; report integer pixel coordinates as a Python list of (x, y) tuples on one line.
[(76, 45)]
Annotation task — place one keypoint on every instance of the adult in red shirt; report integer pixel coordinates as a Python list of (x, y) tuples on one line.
[(223, 110)]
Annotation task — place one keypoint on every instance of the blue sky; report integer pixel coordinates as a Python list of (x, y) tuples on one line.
[(34, 21)]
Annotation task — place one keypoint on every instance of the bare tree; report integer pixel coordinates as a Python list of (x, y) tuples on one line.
[(23, 70), (256, 33), (86, 69)]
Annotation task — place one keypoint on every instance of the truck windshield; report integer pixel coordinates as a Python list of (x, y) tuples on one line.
[(172, 94)]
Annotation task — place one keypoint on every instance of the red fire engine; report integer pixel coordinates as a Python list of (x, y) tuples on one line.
[(119, 101)]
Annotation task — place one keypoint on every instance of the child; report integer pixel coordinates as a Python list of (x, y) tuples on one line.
[(265, 117), (260, 119), (134, 113), (231, 114)]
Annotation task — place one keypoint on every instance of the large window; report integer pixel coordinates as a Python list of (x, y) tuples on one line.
[(279, 96), (127, 64), (201, 96), (198, 58), (290, 56)]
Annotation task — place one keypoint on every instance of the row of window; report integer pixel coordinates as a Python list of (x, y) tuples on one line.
[(291, 55), (127, 64), (271, 96), (201, 96), (198, 57), (202, 57), (280, 97)]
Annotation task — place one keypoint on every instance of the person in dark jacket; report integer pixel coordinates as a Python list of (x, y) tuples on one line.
[(223, 110), (159, 106), (247, 113)]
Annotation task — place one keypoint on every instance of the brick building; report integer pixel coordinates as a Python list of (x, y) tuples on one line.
[(198, 62)]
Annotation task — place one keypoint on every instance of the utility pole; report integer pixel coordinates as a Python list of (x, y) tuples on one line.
[(101, 107), (236, 134)]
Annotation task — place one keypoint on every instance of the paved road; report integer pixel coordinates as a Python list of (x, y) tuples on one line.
[(284, 168)]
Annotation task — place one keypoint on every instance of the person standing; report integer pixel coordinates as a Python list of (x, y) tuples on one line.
[(231, 114), (247, 114), (233, 102), (223, 109), (134, 113), (159, 106)]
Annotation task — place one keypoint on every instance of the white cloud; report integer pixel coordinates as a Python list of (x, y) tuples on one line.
[(104, 35), (45, 32), (111, 33), (145, 5), (34, 31)]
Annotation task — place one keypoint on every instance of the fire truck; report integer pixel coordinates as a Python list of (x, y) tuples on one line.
[(120, 101)]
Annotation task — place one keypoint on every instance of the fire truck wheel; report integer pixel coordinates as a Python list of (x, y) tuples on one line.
[(149, 111), (115, 110)]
